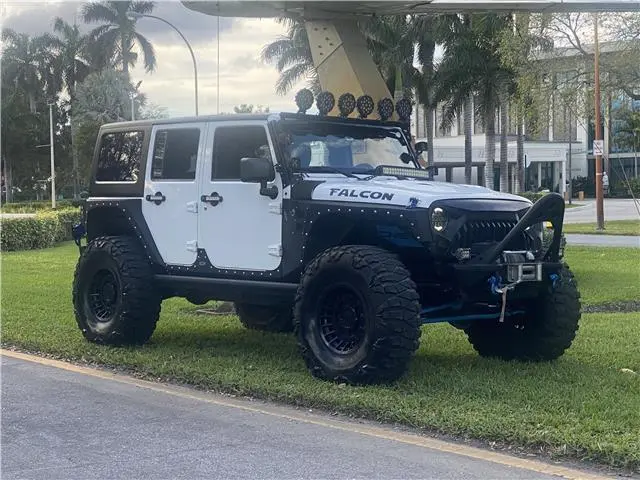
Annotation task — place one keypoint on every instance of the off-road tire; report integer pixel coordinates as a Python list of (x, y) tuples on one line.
[(135, 310), (265, 318), (542, 333), (390, 315)]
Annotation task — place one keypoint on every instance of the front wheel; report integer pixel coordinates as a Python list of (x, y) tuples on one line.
[(114, 299), (356, 315), (542, 332)]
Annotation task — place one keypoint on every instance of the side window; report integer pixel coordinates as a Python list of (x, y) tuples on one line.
[(120, 156), (175, 154), (231, 144)]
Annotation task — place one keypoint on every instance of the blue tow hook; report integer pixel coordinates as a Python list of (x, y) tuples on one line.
[(494, 284), (554, 279)]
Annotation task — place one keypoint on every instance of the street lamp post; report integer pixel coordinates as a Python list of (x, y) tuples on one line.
[(135, 15), (53, 165)]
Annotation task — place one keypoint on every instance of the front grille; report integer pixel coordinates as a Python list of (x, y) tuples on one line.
[(488, 232)]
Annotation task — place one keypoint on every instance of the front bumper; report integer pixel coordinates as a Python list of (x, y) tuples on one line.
[(521, 267)]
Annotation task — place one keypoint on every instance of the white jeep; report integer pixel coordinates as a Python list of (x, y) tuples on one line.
[(326, 226)]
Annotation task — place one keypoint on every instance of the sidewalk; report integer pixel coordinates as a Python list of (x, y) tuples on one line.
[(614, 209), (603, 240)]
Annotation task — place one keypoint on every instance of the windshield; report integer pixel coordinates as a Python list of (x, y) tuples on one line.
[(351, 148)]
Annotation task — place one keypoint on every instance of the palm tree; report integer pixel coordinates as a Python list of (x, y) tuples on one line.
[(118, 36), (454, 31), (72, 65), (424, 31), (292, 55), (28, 62), (391, 42), (471, 65)]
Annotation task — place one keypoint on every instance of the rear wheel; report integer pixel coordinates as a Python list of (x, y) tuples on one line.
[(357, 315), (542, 333), (265, 318), (114, 298)]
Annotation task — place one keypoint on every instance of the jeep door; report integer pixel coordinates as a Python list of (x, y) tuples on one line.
[(170, 203), (239, 228)]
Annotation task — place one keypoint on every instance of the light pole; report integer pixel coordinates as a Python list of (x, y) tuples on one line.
[(136, 15), (53, 164)]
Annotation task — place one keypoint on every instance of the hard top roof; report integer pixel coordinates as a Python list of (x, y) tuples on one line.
[(243, 117)]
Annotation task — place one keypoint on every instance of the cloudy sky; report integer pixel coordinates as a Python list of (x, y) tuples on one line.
[(243, 78)]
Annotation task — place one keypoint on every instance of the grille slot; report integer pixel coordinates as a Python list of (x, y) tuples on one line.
[(487, 232)]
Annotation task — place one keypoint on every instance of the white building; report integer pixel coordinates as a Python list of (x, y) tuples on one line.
[(546, 153)]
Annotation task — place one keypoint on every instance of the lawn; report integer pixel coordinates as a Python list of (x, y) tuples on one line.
[(613, 227), (581, 406)]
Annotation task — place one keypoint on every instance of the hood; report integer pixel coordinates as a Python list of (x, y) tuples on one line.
[(391, 191)]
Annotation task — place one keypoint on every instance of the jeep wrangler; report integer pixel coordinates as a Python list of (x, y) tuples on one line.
[(327, 226)]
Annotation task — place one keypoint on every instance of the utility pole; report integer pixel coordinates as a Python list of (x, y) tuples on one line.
[(53, 165), (598, 136), (569, 176)]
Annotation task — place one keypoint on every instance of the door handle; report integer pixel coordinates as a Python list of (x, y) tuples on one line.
[(214, 199), (156, 198)]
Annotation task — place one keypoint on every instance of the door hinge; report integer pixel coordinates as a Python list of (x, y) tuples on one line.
[(192, 207), (192, 246), (275, 250), (275, 207)]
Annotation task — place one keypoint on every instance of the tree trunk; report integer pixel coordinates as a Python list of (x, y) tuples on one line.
[(520, 186), (490, 147), (124, 43), (429, 125), (504, 146), (468, 132)]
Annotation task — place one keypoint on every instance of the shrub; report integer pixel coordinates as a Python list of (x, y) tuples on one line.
[(33, 207), (44, 230), (533, 196)]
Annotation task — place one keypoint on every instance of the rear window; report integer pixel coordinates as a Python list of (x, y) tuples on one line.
[(120, 157)]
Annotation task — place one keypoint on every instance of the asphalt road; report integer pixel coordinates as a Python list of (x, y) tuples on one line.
[(58, 422)]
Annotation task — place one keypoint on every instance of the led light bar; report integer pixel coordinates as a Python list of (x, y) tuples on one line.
[(402, 172)]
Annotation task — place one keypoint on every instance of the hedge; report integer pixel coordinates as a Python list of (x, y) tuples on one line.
[(42, 231), (35, 206), (533, 196)]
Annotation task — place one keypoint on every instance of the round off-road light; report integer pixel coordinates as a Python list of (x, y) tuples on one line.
[(439, 219), (325, 102), (346, 104), (385, 109), (365, 106), (304, 100), (403, 107)]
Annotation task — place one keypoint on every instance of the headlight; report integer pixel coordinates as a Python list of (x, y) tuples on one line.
[(439, 219)]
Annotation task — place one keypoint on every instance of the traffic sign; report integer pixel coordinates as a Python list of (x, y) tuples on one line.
[(598, 147)]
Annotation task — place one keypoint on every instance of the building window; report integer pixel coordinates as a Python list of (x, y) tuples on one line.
[(232, 144), (120, 156)]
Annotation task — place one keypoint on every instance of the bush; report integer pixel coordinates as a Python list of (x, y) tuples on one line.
[(44, 230), (533, 196), (621, 189), (33, 207)]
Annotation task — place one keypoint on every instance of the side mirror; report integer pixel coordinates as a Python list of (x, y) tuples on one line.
[(259, 170), (256, 170), (421, 147)]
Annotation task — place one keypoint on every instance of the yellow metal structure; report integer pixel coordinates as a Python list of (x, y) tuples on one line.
[(343, 61)]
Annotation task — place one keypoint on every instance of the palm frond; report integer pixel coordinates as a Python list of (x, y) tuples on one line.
[(148, 52), (94, 12)]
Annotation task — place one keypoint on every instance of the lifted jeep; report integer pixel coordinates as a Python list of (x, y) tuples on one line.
[(326, 226)]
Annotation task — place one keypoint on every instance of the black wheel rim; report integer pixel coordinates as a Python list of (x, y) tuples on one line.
[(341, 320), (103, 296)]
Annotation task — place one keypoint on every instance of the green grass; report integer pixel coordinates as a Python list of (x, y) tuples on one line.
[(613, 227), (581, 406), (606, 274)]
